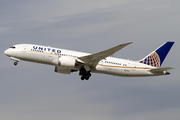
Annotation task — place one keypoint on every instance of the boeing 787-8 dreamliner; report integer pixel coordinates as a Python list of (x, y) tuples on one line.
[(67, 61)]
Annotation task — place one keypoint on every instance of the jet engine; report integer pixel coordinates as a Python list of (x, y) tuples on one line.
[(65, 64), (65, 61)]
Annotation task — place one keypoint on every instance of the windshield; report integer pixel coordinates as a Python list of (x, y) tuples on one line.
[(13, 47)]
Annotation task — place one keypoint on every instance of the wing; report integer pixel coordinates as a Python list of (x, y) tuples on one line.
[(93, 59)]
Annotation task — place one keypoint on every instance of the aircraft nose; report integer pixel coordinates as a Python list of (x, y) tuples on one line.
[(6, 52)]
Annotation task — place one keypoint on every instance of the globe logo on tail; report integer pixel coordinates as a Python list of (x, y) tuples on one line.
[(153, 60)]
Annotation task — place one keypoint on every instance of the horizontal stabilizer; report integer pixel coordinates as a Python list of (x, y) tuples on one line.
[(161, 69)]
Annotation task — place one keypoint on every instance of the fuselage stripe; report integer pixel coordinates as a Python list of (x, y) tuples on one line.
[(125, 67)]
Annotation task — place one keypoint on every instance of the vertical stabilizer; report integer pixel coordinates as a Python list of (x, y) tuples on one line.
[(157, 57)]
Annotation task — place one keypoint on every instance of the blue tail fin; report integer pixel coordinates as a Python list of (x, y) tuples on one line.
[(157, 57)]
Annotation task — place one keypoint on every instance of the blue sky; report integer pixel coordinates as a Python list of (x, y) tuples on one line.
[(33, 91)]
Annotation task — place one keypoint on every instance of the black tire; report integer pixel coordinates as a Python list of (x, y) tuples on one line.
[(82, 78), (87, 78), (89, 74), (15, 63)]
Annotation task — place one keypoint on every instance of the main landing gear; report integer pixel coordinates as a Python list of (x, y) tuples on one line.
[(85, 74)]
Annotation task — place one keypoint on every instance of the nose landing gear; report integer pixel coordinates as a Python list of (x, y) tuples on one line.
[(15, 63), (15, 59)]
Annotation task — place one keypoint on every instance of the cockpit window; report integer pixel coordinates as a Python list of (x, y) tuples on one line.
[(13, 47)]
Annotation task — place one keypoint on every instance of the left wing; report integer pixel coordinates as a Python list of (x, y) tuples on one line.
[(92, 60)]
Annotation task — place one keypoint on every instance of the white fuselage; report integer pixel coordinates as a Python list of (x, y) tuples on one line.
[(49, 55)]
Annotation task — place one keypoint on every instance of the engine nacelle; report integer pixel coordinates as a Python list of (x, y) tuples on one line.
[(63, 70), (65, 61)]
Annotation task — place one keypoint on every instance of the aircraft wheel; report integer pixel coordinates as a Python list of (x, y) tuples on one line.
[(87, 78), (15, 63), (89, 74), (82, 78)]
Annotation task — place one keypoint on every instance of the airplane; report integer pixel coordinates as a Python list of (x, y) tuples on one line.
[(68, 61)]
